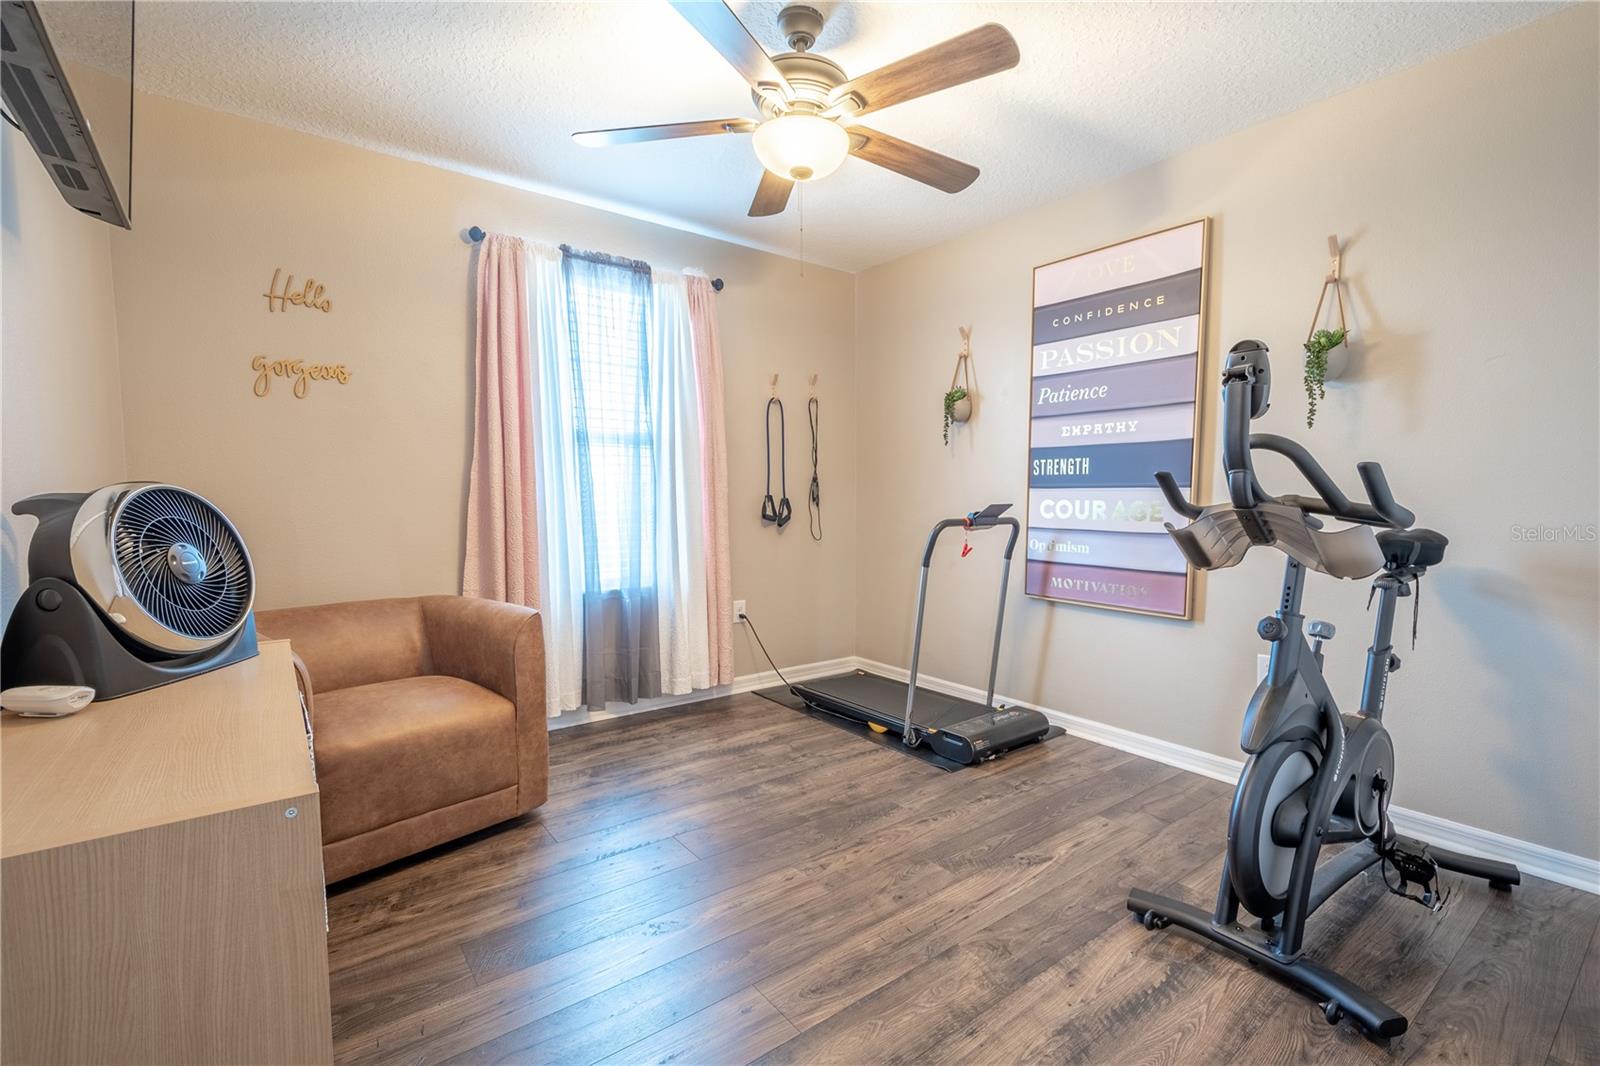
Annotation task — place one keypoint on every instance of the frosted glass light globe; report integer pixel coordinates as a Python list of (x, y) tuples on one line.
[(801, 147)]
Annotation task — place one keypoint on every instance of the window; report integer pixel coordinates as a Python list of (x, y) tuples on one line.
[(608, 307)]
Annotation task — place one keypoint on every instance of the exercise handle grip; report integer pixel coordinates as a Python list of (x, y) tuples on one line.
[(1331, 501), (1175, 497), (1383, 501)]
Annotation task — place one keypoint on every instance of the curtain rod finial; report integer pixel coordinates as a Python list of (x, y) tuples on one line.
[(716, 283), (476, 234)]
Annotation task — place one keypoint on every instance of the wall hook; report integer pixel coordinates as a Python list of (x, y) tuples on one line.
[(1333, 279), (774, 386), (813, 386)]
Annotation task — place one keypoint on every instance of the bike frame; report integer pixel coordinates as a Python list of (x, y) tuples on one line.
[(1294, 703)]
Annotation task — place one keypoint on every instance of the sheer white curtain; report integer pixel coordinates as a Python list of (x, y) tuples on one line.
[(561, 560), (680, 541), (623, 578)]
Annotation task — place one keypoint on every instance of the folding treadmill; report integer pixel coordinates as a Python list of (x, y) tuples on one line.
[(960, 730)]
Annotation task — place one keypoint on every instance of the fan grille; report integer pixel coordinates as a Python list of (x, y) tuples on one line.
[(182, 562)]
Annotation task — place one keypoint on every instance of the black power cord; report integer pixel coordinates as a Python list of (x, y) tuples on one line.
[(745, 618)]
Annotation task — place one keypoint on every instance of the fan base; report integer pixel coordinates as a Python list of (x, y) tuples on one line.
[(813, 79), (57, 637)]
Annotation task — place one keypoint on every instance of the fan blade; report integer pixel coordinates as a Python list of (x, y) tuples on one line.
[(716, 22), (914, 161), (975, 54), (772, 195), (635, 134)]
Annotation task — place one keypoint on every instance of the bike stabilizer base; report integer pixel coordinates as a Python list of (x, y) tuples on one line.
[(1339, 996), (1500, 875)]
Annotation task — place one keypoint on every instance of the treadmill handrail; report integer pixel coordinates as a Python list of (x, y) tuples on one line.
[(986, 519), (973, 521)]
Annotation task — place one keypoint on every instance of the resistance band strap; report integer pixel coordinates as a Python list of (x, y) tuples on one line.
[(814, 500), (781, 511)]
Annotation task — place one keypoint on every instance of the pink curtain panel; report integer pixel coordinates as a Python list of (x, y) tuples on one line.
[(502, 559)]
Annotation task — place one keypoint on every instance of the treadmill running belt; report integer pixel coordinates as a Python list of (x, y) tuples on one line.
[(958, 729), (886, 700)]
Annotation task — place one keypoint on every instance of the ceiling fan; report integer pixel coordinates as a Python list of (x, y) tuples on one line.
[(809, 107)]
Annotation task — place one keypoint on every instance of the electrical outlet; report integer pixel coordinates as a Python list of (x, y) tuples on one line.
[(738, 610), (1261, 667)]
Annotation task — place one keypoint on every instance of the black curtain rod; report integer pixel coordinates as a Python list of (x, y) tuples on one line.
[(476, 234)]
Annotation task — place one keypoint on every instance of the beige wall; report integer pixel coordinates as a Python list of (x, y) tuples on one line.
[(358, 489), (60, 391), (1467, 192)]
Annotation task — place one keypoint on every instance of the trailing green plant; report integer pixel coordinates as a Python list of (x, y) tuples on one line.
[(1321, 343), (951, 398)]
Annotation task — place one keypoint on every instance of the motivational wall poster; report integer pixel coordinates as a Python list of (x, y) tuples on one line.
[(1118, 338)]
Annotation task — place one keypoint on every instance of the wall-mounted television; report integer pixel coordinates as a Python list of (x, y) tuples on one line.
[(67, 75)]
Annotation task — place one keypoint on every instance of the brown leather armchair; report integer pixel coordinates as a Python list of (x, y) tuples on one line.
[(428, 720)]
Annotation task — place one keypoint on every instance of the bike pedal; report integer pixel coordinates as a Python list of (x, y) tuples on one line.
[(1414, 866)]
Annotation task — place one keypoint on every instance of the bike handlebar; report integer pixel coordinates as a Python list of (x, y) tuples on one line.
[(1174, 495), (1245, 381)]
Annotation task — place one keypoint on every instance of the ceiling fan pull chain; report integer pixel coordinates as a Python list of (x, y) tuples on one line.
[(802, 229)]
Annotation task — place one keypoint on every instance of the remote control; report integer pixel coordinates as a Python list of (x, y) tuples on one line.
[(46, 701)]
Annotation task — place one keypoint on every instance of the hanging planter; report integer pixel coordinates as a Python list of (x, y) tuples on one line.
[(958, 398), (1322, 347), (1327, 350), (957, 409)]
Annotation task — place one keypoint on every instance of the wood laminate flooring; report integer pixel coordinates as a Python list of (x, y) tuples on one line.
[(734, 882)]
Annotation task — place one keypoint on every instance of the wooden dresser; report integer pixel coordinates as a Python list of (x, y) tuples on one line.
[(161, 868)]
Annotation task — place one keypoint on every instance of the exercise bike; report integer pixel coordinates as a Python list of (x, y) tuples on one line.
[(1314, 777)]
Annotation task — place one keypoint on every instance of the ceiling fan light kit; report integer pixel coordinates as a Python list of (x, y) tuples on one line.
[(809, 107), (801, 147)]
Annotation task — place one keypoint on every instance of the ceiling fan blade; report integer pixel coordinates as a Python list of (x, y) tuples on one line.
[(716, 22), (635, 134), (772, 195), (975, 54), (915, 162)]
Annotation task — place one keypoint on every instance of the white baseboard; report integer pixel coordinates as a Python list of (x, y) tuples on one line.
[(1560, 866), (805, 672), (742, 683)]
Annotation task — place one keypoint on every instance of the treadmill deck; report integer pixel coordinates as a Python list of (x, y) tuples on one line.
[(885, 700), (960, 729)]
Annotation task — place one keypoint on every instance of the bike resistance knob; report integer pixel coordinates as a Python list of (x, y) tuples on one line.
[(1271, 628), (1320, 630)]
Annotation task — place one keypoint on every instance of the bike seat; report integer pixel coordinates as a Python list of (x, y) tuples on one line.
[(1414, 548)]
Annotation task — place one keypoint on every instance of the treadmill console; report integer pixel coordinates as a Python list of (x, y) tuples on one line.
[(988, 515)]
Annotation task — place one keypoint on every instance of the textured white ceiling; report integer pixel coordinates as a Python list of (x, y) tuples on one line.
[(496, 89)]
